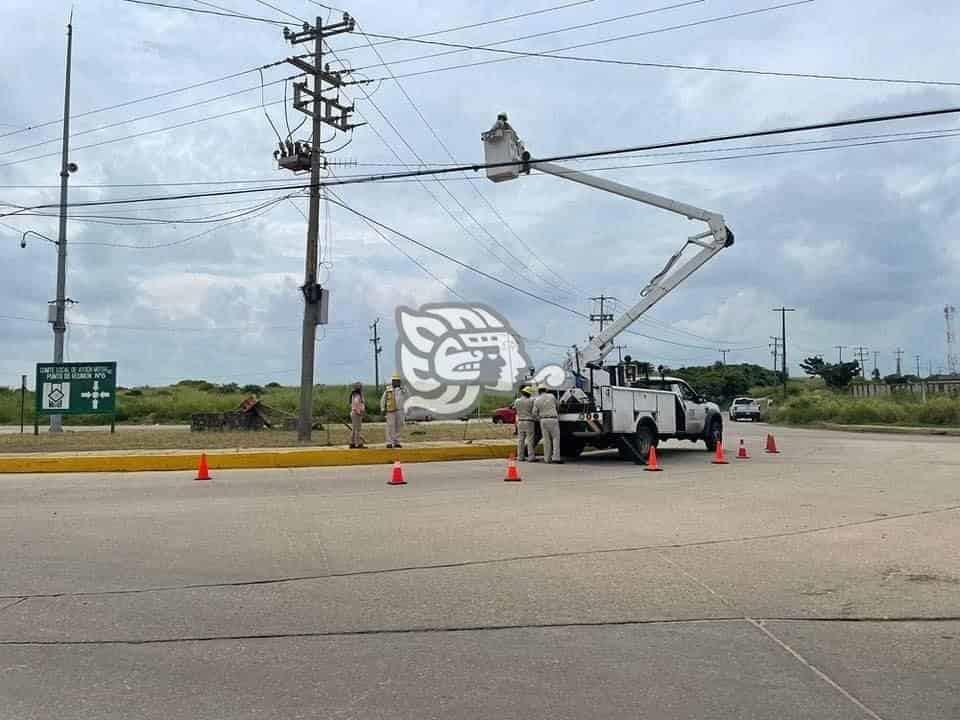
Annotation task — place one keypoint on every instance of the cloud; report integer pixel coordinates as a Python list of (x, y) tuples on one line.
[(857, 239)]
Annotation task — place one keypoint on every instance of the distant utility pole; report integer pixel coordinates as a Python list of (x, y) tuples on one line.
[(899, 353), (377, 349), (917, 358), (876, 356), (840, 349), (783, 338), (620, 349), (724, 353), (296, 157), (929, 368), (861, 355), (66, 167), (602, 317), (775, 350)]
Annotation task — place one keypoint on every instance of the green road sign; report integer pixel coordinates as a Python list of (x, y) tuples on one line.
[(76, 388)]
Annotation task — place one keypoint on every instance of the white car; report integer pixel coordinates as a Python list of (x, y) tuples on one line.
[(742, 408)]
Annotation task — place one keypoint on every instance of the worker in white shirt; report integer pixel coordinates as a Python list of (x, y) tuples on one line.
[(526, 426), (391, 404), (545, 412)]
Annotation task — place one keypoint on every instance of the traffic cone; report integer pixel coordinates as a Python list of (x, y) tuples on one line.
[(719, 458), (513, 475), (652, 465), (772, 444), (396, 477), (203, 472), (742, 453)]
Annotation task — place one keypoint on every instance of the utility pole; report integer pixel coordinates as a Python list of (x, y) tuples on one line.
[(861, 354), (899, 353), (775, 350), (298, 157), (601, 316), (66, 167), (377, 349), (917, 358), (724, 353), (840, 349), (23, 399), (620, 349), (783, 337)]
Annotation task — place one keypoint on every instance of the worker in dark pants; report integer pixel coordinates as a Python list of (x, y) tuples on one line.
[(546, 413)]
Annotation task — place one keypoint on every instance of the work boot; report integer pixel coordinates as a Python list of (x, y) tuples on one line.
[(389, 446), (398, 445)]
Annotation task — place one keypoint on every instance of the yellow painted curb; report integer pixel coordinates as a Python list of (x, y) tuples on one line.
[(248, 459)]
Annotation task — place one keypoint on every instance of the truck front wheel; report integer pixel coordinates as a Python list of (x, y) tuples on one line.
[(714, 434)]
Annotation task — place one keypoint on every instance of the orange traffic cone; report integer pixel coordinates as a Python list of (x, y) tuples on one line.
[(720, 458), (396, 477), (203, 472), (513, 475), (772, 444), (652, 465), (742, 453)]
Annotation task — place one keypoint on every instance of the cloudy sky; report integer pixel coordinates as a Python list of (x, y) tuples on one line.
[(859, 239)]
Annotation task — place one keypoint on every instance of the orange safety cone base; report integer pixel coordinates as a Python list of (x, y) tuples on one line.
[(513, 475), (396, 477), (203, 471), (652, 465), (772, 445), (720, 458), (742, 453)]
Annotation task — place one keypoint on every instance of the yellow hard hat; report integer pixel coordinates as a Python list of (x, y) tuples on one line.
[(527, 390), (396, 376)]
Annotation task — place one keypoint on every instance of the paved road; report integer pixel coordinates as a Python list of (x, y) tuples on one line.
[(820, 583)]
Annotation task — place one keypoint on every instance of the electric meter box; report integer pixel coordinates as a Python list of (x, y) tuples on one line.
[(501, 145)]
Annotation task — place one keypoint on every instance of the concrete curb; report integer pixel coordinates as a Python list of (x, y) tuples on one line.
[(889, 429), (249, 459)]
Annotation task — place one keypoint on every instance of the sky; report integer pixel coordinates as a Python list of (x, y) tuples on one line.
[(858, 239)]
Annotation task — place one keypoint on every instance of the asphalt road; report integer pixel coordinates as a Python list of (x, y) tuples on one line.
[(823, 582)]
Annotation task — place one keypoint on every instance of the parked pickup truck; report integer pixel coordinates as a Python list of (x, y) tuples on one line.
[(742, 408)]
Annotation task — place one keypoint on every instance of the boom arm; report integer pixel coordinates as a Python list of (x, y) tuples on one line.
[(502, 145)]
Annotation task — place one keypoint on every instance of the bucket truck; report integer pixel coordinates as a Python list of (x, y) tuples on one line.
[(620, 405)]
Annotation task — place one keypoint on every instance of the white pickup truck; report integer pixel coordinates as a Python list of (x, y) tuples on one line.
[(742, 408), (636, 414)]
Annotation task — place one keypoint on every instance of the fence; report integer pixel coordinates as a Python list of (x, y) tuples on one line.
[(944, 386)]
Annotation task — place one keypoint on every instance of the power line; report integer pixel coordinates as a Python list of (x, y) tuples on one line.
[(446, 189), (466, 266), (593, 43), (236, 16), (494, 21), (146, 98), (473, 185), (553, 55), (460, 47), (555, 158)]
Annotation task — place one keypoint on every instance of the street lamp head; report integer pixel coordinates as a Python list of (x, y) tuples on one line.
[(23, 241), (72, 167)]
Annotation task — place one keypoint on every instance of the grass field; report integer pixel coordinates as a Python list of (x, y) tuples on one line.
[(906, 410), (174, 404), (332, 434)]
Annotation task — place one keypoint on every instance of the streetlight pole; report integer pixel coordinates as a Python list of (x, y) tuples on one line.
[(59, 324)]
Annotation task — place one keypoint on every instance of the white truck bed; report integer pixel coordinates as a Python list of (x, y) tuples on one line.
[(620, 408)]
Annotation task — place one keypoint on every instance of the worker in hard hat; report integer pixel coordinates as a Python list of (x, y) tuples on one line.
[(526, 426), (391, 404), (546, 413), (358, 409)]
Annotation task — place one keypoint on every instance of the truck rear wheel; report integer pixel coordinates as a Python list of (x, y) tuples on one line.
[(638, 445)]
